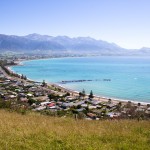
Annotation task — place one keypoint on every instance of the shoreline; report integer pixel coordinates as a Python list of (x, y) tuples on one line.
[(74, 92), (101, 98)]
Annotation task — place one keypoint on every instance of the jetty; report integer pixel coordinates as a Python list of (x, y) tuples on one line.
[(70, 81)]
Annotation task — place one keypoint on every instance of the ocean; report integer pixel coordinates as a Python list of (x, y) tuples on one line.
[(117, 77)]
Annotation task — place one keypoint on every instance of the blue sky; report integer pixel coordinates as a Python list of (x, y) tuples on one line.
[(124, 22)]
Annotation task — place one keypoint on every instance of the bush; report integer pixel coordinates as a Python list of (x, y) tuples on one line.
[(61, 113), (5, 104), (31, 101)]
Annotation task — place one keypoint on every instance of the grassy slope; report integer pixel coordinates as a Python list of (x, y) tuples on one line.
[(33, 131)]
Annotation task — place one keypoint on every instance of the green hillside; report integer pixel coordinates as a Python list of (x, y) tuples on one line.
[(36, 132)]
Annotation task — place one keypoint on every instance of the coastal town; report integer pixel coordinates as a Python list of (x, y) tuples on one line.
[(18, 93)]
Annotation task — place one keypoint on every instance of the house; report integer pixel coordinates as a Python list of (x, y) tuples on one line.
[(92, 107), (68, 104), (12, 96), (21, 95), (84, 105), (92, 115), (140, 109), (95, 102), (51, 104), (79, 103), (29, 95), (80, 110), (53, 107), (114, 115), (23, 99), (147, 111), (97, 112), (40, 108), (45, 103), (110, 106)]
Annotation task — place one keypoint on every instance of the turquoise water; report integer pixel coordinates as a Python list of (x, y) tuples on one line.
[(130, 76)]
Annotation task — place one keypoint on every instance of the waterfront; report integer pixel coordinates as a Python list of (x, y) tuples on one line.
[(117, 77), (19, 93)]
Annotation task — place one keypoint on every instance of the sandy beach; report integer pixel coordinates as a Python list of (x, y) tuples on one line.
[(96, 97)]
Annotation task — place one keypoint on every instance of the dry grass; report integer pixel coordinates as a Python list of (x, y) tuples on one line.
[(37, 132)]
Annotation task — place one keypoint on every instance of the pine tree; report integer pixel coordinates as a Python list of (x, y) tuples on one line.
[(83, 93), (91, 95), (43, 83)]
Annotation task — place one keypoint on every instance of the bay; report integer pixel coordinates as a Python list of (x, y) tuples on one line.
[(117, 77)]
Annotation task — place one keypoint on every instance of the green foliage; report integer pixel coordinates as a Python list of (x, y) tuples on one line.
[(79, 106), (80, 115), (82, 94), (5, 104), (52, 96), (61, 113), (44, 83), (67, 94), (23, 77), (21, 110), (31, 101), (91, 94)]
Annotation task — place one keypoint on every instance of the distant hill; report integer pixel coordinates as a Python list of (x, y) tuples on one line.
[(47, 44), (24, 43)]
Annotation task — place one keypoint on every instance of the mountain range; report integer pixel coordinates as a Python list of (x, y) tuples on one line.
[(36, 43)]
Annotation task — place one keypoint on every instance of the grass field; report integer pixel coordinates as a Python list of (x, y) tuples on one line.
[(36, 132)]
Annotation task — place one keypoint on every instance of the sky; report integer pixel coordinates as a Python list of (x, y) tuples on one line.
[(124, 22)]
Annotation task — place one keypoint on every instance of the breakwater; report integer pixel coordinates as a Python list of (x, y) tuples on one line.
[(70, 81)]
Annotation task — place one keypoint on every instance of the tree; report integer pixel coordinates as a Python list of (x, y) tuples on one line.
[(67, 94), (25, 77), (91, 95), (43, 83), (118, 107), (78, 107), (83, 93), (51, 96), (139, 104), (5, 104), (80, 94), (109, 101), (31, 101), (129, 104), (22, 76)]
